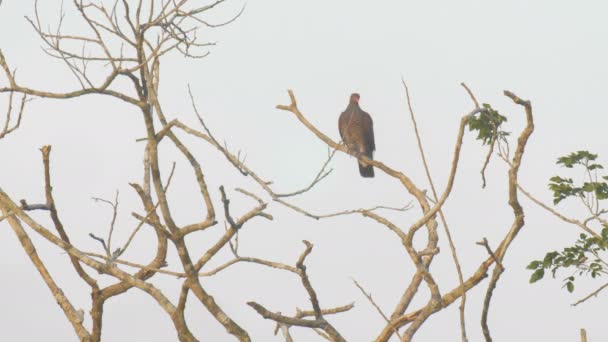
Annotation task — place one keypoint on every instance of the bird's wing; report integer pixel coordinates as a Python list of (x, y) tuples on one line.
[(368, 131)]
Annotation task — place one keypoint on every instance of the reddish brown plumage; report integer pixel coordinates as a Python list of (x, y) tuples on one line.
[(357, 132)]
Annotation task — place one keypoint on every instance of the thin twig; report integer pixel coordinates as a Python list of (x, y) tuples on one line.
[(371, 300), (318, 178), (592, 294), (486, 245), (145, 219)]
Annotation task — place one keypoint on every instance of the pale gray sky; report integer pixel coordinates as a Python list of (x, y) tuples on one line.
[(553, 53)]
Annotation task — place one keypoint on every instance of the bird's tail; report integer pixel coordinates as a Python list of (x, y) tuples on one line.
[(365, 170)]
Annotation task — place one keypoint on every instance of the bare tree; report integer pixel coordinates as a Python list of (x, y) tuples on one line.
[(128, 40)]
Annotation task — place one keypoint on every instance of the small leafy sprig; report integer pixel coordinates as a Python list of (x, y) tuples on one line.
[(565, 187), (584, 257), (487, 124), (587, 257)]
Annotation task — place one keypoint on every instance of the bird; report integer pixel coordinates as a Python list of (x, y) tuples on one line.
[(357, 132)]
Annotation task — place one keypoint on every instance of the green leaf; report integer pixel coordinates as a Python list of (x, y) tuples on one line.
[(574, 158), (537, 275), (533, 265), (605, 233), (595, 166), (570, 286), (548, 260), (558, 179)]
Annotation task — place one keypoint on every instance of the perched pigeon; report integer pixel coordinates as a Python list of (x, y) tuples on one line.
[(357, 132)]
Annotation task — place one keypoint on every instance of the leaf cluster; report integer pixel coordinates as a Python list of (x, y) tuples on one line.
[(487, 124), (564, 187), (579, 158), (584, 257)]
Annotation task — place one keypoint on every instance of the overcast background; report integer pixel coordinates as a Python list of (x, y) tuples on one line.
[(553, 53)]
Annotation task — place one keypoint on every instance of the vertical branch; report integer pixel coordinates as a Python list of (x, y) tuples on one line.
[(498, 269), (285, 331), (114, 215), (583, 335), (7, 129), (306, 282), (96, 313), (50, 202), (518, 212), (441, 215), (435, 303), (146, 179), (491, 286), (513, 171), (107, 245), (329, 329)]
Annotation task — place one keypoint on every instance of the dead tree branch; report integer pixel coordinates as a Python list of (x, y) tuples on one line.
[(319, 322), (592, 294), (441, 215)]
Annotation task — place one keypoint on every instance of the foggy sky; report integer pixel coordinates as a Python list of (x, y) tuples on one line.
[(552, 53)]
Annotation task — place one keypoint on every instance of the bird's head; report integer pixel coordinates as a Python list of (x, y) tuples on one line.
[(354, 98)]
